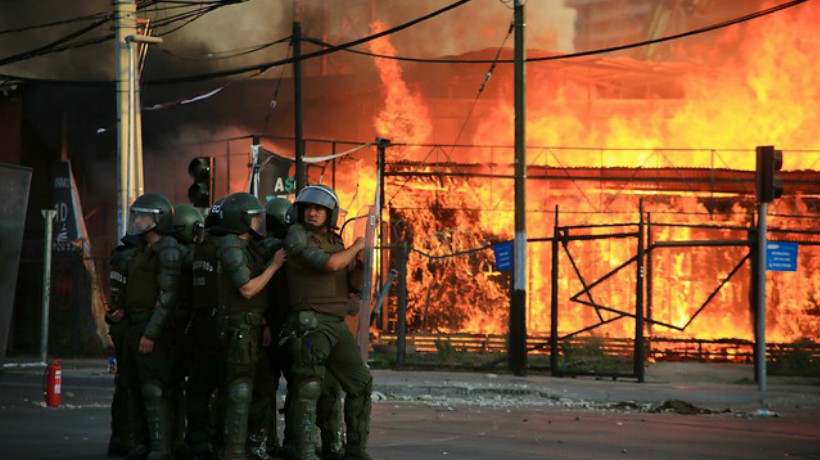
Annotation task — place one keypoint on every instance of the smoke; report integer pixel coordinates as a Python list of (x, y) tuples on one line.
[(92, 62), (477, 25), (215, 40)]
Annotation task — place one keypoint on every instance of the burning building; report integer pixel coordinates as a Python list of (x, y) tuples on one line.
[(671, 132)]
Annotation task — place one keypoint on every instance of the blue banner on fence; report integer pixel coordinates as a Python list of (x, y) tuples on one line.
[(503, 255), (781, 257)]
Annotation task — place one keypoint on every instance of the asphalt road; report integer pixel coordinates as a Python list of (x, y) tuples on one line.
[(415, 430)]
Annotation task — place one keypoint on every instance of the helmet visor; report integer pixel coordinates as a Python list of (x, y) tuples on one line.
[(142, 220), (317, 195), (257, 224)]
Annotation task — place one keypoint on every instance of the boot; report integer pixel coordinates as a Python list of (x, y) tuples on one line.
[(156, 414), (329, 421), (257, 447), (357, 419), (237, 407), (303, 418)]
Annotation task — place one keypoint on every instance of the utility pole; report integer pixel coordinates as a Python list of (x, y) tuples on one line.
[(125, 15), (518, 303), (301, 172), (136, 186)]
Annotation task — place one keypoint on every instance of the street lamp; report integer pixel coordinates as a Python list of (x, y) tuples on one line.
[(134, 160)]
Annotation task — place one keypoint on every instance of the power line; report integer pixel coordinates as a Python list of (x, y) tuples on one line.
[(226, 54), (348, 45), (557, 57), (333, 49), (53, 45), (275, 98), (89, 17), (188, 18), (487, 77)]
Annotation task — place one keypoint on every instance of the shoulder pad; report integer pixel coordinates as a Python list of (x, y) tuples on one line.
[(229, 241), (170, 256), (164, 243), (231, 254), (233, 261), (123, 253), (267, 246), (297, 239)]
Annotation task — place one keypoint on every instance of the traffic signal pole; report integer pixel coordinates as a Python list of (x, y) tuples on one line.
[(768, 187), (760, 298)]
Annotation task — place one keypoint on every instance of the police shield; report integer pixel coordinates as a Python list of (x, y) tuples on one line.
[(371, 223)]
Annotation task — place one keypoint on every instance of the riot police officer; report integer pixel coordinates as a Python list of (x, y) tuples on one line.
[(320, 271), (151, 282), (280, 214), (262, 423), (122, 439), (242, 300), (188, 229), (203, 340)]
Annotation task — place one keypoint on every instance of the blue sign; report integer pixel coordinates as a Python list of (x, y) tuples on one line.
[(503, 255), (781, 257)]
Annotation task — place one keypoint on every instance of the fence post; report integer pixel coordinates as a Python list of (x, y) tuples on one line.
[(649, 267), (554, 298), (640, 359), (401, 313)]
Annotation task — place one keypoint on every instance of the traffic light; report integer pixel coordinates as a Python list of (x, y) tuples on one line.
[(201, 191), (767, 184)]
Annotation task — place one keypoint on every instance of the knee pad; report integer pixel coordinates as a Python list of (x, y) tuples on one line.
[(151, 391), (240, 391), (310, 389)]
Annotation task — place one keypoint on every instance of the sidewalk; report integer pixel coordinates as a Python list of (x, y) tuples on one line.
[(707, 387), (714, 387)]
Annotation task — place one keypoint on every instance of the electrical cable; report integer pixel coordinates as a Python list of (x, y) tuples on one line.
[(346, 46), (268, 65), (557, 57), (48, 48), (487, 77), (275, 97), (226, 54), (57, 23)]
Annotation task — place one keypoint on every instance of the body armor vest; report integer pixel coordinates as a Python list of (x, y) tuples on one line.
[(319, 291), (142, 285), (186, 278), (278, 303), (118, 275), (204, 295), (230, 300)]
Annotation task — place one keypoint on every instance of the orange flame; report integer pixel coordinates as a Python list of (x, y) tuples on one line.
[(765, 93), (405, 116)]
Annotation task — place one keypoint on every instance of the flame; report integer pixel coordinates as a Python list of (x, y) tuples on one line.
[(764, 93), (405, 117)]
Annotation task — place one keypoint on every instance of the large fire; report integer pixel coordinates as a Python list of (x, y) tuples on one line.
[(755, 84), (762, 91)]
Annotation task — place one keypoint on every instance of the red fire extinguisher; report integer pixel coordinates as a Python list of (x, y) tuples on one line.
[(54, 383)]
